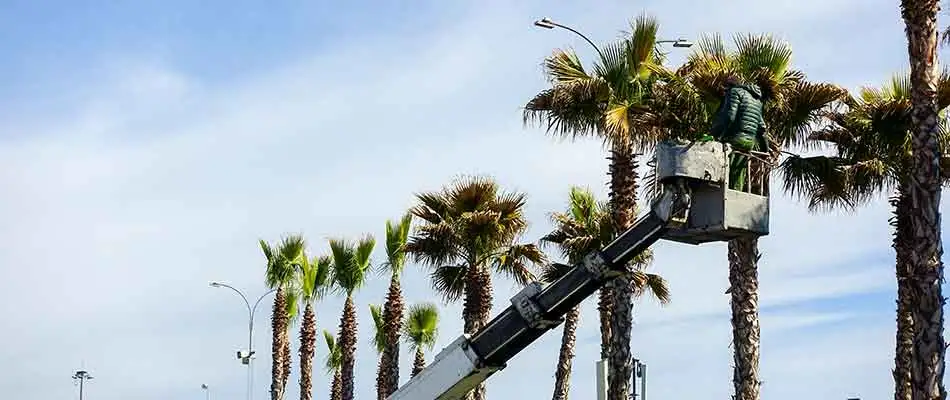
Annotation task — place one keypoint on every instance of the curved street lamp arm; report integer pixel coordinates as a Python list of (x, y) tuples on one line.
[(256, 303), (246, 303), (546, 23)]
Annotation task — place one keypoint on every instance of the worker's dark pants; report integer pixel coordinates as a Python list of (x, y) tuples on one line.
[(739, 163)]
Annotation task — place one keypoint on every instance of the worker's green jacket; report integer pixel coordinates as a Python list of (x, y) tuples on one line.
[(739, 120)]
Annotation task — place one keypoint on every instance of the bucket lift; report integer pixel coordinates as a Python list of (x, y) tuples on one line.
[(693, 204), (715, 213)]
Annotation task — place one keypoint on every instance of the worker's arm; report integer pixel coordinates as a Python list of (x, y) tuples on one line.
[(726, 115)]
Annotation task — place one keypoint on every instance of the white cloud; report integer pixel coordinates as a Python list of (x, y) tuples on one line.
[(117, 214)]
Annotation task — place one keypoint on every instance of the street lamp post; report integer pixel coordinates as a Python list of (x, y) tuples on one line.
[(207, 391), (247, 357), (82, 376), (547, 23)]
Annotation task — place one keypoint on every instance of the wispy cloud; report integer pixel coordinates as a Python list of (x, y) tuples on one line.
[(151, 181)]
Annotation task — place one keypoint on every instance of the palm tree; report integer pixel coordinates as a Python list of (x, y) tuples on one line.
[(870, 135), (422, 329), (379, 343), (920, 18), (469, 230), (283, 262), (314, 279), (586, 226), (397, 233), (602, 104), (332, 363), (682, 106), (351, 262)]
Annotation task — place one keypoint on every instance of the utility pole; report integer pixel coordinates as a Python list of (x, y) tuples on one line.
[(82, 376), (639, 371)]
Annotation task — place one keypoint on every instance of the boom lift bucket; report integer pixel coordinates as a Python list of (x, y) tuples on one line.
[(716, 213)]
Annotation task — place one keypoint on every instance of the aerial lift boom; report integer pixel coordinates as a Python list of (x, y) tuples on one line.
[(694, 188)]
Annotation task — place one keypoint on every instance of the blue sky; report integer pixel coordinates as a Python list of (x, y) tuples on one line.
[(147, 146)]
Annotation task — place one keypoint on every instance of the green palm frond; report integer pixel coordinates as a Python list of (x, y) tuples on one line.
[(379, 324), (283, 260), (397, 234), (640, 44), (421, 327), (762, 57), (333, 359), (315, 277), (351, 261)]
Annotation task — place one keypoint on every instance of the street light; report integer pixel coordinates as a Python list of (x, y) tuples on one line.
[(207, 391), (546, 23), (677, 43), (82, 376), (247, 357)]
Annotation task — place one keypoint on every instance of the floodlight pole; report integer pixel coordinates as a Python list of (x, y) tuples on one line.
[(82, 376)]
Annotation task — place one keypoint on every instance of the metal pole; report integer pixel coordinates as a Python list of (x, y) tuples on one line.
[(80, 387), (248, 358), (643, 382), (633, 377)]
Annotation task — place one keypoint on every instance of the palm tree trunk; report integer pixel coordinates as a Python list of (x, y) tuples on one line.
[(920, 18), (336, 388), (419, 363), (278, 328), (381, 378), (744, 292), (287, 355), (604, 305), (904, 352), (392, 315), (308, 346), (623, 198), (477, 310), (562, 378), (347, 345)]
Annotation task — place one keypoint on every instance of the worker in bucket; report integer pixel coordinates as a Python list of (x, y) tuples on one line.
[(739, 122)]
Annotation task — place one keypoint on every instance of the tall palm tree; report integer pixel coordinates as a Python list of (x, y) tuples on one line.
[(584, 227), (397, 234), (379, 343), (682, 107), (422, 329), (314, 278), (870, 135), (332, 363), (283, 262), (601, 104), (920, 19), (469, 229), (351, 262)]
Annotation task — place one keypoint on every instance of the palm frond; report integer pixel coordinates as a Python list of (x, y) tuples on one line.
[(333, 359), (553, 271), (379, 324), (421, 327), (350, 263), (449, 281), (517, 262), (650, 284), (397, 234)]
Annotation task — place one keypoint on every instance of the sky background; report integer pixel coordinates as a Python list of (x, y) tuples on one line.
[(146, 146)]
